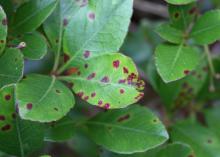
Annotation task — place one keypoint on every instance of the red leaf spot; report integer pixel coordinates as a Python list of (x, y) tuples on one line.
[(8, 97), (66, 57), (186, 72), (6, 127), (122, 81), (91, 16), (100, 102), (86, 54), (80, 94), (91, 76), (29, 106), (125, 70), (5, 22), (105, 79), (107, 106), (86, 98), (116, 63), (123, 118), (122, 91), (2, 117), (71, 71), (93, 94)]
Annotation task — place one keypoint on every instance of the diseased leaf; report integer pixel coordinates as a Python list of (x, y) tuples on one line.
[(3, 29), (32, 14), (43, 98), (182, 16), (58, 20), (180, 2), (11, 63), (170, 34), (175, 62), (101, 79), (99, 26), (206, 29), (204, 142), (35, 46), (116, 129), (17, 137)]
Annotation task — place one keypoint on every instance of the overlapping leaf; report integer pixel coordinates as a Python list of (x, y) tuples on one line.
[(117, 128), (32, 14), (11, 63), (3, 29), (100, 80), (17, 137), (43, 98)]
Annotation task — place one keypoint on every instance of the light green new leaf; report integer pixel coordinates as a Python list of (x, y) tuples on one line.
[(99, 27), (12, 64), (182, 16), (116, 129), (3, 29), (17, 137), (61, 130), (35, 45), (100, 80), (32, 14), (180, 2), (175, 62), (204, 142), (58, 20), (170, 33), (206, 29), (43, 98)]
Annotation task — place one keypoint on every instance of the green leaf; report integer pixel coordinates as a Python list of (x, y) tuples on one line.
[(43, 98), (3, 29), (176, 149), (100, 80), (60, 131), (9, 10), (32, 14), (175, 62), (116, 129), (11, 63), (170, 34), (203, 141), (99, 27), (182, 16), (35, 45), (206, 29), (17, 137), (58, 20), (180, 2)]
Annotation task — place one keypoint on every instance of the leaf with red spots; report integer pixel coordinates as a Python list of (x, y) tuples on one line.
[(17, 137), (58, 21), (175, 62), (43, 98), (12, 64), (35, 45), (30, 15), (99, 29), (3, 29), (203, 140), (115, 130), (100, 83)]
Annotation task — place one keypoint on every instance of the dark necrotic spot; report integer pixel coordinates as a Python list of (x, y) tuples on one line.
[(209, 141), (86, 66), (29, 106), (58, 91), (6, 127), (56, 109), (176, 15), (123, 118), (100, 102), (86, 54), (91, 76), (105, 79), (93, 94), (125, 70), (2, 117), (8, 97)]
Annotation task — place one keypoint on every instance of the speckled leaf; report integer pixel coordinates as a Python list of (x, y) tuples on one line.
[(180, 2), (175, 62), (100, 26), (203, 141), (43, 98), (3, 29), (35, 45), (182, 16), (206, 29), (170, 33), (32, 14), (17, 137), (61, 130), (100, 80), (11, 63), (58, 20), (116, 129)]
